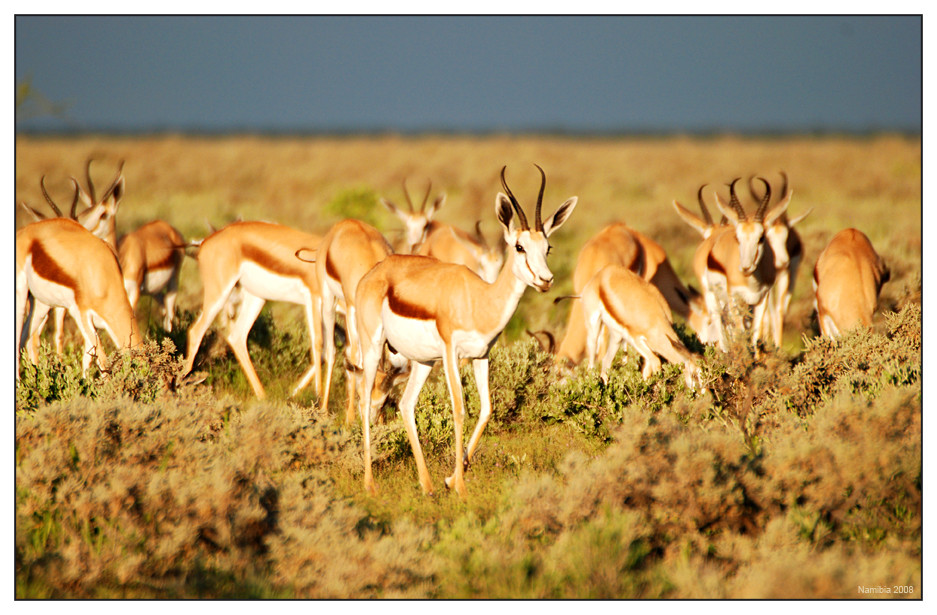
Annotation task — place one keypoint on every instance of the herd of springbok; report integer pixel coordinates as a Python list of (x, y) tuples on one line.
[(444, 295)]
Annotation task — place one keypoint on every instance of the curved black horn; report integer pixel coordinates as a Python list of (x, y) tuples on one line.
[(760, 214), (45, 193), (784, 185), (406, 193), (90, 183), (702, 206), (517, 208), (429, 187), (734, 200), (538, 223), (73, 213)]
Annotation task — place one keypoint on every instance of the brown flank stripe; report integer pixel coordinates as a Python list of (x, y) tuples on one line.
[(330, 267), (609, 307), (713, 265), (262, 258), (405, 309), (46, 267)]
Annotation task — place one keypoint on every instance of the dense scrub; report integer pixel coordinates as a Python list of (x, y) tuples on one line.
[(772, 489)]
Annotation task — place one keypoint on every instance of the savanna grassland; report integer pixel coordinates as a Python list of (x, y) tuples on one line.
[(795, 474)]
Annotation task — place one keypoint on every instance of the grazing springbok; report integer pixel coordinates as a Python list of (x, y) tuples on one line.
[(633, 310), (62, 265), (150, 257), (426, 310), (348, 250), (735, 261), (259, 258), (619, 244), (99, 218), (847, 280), (788, 251)]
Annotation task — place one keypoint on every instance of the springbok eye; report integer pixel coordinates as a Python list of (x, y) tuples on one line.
[(519, 248)]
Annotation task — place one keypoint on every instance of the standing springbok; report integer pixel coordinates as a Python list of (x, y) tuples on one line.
[(62, 265), (788, 254), (426, 310), (735, 261), (847, 280), (633, 310), (259, 258), (348, 250)]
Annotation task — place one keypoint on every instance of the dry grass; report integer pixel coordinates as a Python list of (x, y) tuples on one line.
[(797, 475)]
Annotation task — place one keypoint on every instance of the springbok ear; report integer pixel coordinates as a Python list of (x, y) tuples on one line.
[(794, 221), (35, 215), (113, 199), (726, 210), (505, 213), (779, 209), (432, 209), (390, 206), (560, 216), (83, 197), (692, 219)]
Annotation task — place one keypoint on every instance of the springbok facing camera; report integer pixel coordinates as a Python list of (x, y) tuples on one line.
[(736, 261), (633, 311), (64, 266), (426, 310), (428, 237), (416, 224), (788, 251), (847, 280)]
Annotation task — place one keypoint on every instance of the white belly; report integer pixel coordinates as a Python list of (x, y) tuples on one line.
[(47, 292), (155, 281), (271, 286), (415, 339)]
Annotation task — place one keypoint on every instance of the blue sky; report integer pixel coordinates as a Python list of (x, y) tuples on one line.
[(472, 74)]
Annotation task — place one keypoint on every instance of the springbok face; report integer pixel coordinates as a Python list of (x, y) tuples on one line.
[(415, 222), (778, 231), (530, 246), (750, 230)]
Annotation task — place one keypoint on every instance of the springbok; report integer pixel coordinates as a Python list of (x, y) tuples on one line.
[(426, 310), (847, 280), (150, 257), (348, 250), (788, 255), (416, 223), (619, 244), (62, 265), (99, 218), (735, 261), (259, 258), (633, 311), (428, 237)]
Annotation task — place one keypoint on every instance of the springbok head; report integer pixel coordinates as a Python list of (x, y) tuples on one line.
[(530, 245), (415, 222), (750, 230), (777, 233)]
